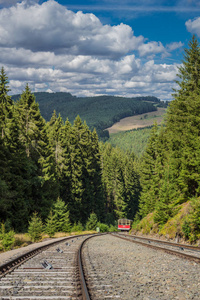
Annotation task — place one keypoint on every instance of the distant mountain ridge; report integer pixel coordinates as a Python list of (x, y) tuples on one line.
[(99, 112)]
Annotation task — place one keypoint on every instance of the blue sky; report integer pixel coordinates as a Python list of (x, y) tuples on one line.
[(92, 47)]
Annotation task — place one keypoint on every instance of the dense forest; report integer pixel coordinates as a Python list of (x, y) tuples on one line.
[(57, 168), (170, 166), (134, 140), (99, 112), (53, 167)]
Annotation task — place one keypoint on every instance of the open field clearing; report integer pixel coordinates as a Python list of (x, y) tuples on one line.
[(139, 121)]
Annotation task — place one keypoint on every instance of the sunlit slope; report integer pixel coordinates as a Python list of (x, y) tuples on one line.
[(135, 140), (99, 112), (138, 121)]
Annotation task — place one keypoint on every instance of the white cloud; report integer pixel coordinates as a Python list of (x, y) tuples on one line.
[(54, 49), (175, 45), (193, 26), (7, 3), (52, 27), (151, 48)]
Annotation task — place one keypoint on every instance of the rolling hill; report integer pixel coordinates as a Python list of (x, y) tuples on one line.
[(99, 112)]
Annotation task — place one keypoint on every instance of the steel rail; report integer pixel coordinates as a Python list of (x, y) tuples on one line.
[(14, 263), (173, 252), (190, 247), (84, 288)]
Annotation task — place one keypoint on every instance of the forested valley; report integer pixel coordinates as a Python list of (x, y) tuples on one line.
[(99, 112), (61, 171)]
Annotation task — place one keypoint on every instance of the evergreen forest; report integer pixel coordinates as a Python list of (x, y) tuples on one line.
[(134, 140), (170, 166), (60, 170), (99, 112), (56, 168)]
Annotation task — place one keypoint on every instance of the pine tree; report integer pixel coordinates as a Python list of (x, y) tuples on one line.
[(132, 185), (50, 226), (61, 216), (54, 133), (6, 104), (35, 227), (92, 222), (183, 126), (149, 181), (189, 72), (66, 179), (33, 135)]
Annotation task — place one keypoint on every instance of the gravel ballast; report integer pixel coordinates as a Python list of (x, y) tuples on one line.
[(123, 270)]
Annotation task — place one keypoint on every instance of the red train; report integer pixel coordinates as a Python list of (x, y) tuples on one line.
[(124, 224)]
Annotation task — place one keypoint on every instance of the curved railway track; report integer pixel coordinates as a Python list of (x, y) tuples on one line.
[(57, 271), (185, 251), (53, 271)]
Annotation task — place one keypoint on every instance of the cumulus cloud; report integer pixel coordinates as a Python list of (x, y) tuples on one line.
[(54, 49), (52, 27), (151, 48), (193, 26)]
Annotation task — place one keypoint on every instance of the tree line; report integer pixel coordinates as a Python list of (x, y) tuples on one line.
[(100, 112), (170, 166), (43, 163)]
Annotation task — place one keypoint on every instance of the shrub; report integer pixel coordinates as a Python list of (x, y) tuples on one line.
[(103, 227), (8, 240), (112, 228), (191, 226), (77, 227), (186, 229)]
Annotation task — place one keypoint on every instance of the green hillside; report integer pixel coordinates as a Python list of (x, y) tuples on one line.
[(133, 140), (99, 112)]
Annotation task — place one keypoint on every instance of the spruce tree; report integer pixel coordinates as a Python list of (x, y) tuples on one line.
[(183, 125), (6, 104), (149, 181), (50, 226), (35, 227), (61, 216), (33, 135)]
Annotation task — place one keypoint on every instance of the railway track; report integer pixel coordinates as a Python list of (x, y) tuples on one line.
[(50, 272), (57, 271), (117, 269), (185, 251)]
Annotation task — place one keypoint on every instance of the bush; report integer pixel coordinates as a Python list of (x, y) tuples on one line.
[(8, 240), (103, 227), (77, 227), (113, 228), (191, 226), (186, 229), (2, 231), (35, 228)]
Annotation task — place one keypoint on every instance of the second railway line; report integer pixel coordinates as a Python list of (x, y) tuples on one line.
[(113, 268)]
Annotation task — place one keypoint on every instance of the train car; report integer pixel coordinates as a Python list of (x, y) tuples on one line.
[(124, 224)]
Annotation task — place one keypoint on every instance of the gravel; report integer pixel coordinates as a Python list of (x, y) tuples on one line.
[(123, 270), (9, 255)]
